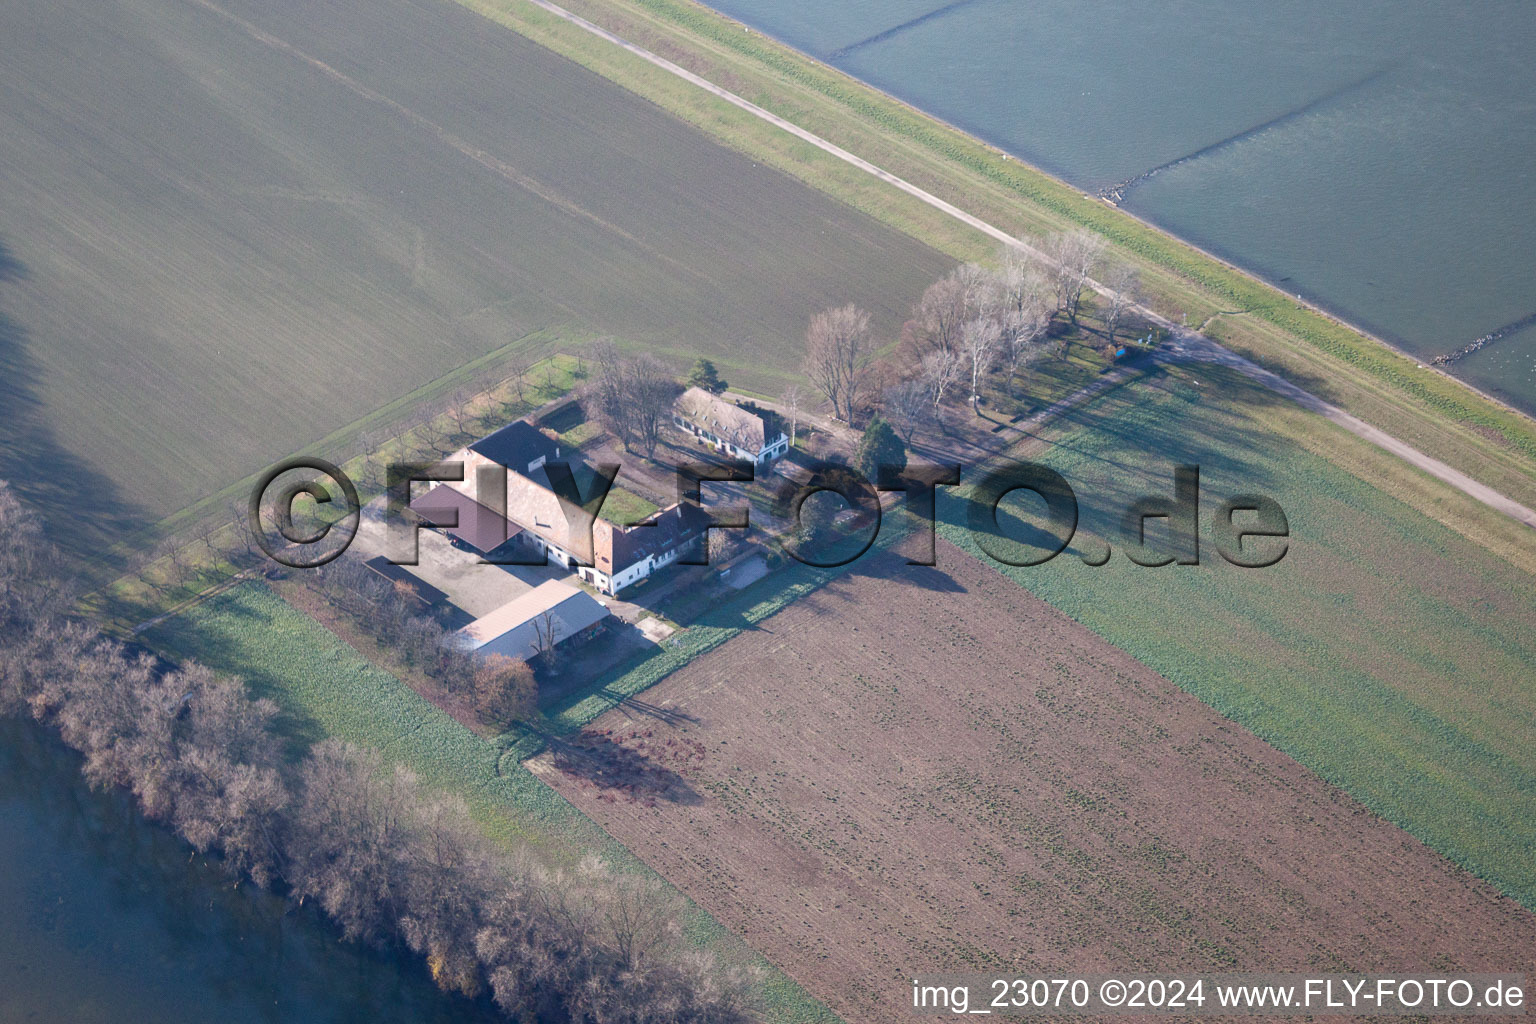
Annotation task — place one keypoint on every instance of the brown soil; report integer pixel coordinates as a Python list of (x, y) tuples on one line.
[(923, 770)]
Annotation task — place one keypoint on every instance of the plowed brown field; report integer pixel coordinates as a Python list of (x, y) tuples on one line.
[(921, 770)]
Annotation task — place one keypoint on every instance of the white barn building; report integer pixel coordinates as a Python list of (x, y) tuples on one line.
[(729, 428), (549, 615)]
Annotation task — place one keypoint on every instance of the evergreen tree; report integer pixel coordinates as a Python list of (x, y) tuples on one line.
[(704, 375), (881, 447)]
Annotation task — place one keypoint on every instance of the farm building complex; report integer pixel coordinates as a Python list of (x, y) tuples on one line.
[(729, 428), (608, 556)]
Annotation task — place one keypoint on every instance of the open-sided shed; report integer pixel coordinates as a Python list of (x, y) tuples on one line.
[(521, 628)]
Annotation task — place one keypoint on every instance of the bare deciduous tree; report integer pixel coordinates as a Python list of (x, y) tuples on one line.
[(791, 402), (906, 409), (207, 529), (723, 546), (651, 392), (630, 398), (607, 398), (1023, 337), (1022, 281), (940, 371), (239, 515), (546, 636), (638, 916), (836, 354), (1072, 255), (940, 312), (227, 791), (349, 827), (978, 344), (446, 875), (178, 571), (517, 372), (368, 444), (503, 690), (460, 402), (31, 591), (1124, 293)]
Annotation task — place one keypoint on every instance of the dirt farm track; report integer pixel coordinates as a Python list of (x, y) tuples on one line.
[(927, 769)]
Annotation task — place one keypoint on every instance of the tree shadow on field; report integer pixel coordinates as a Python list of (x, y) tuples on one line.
[(1023, 540), (1207, 426), (892, 566), (11, 268), (83, 511), (635, 765), (928, 577), (726, 617), (1251, 392), (670, 716), (1228, 388)]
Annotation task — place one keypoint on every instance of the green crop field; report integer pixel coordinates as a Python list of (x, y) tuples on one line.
[(1387, 653), (230, 229)]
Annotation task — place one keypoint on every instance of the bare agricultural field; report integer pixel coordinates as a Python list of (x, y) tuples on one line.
[(926, 769), (229, 228)]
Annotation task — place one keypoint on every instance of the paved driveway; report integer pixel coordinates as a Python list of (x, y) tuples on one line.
[(476, 588)]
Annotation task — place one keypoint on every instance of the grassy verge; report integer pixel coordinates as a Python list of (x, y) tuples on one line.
[(1387, 653), (1429, 409)]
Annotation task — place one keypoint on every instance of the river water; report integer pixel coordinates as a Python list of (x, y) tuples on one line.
[(1375, 157), (107, 920)]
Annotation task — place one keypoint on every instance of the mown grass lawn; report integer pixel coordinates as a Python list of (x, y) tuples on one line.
[(624, 507), (1387, 653)]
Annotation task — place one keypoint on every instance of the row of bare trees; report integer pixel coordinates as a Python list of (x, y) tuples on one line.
[(442, 425), (975, 322), (500, 690), (385, 858), (499, 695)]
